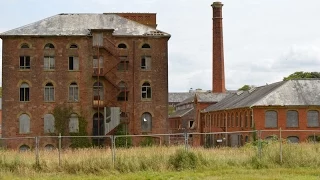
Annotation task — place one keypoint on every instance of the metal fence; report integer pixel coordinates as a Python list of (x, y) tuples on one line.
[(186, 140)]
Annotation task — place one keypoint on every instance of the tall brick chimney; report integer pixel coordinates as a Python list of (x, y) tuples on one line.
[(218, 80)]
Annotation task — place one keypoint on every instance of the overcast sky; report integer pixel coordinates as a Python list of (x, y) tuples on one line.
[(264, 40)]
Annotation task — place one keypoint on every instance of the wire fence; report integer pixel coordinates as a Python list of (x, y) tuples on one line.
[(113, 143)]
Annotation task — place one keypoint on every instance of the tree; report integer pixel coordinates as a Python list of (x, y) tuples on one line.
[(245, 87), (302, 75)]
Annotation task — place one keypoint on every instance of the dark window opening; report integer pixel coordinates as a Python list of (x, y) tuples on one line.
[(146, 63), (24, 62), (191, 124), (24, 92), (146, 46), (49, 46), (146, 91), (73, 63), (73, 46), (122, 46), (24, 46)]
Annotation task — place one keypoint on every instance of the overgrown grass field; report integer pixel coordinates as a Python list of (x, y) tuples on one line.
[(299, 161)]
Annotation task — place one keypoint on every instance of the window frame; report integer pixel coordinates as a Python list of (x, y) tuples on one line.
[(123, 65), (50, 91), (145, 63), (24, 92), (317, 119), (145, 125), (23, 61), (276, 120), (49, 63), (292, 123), (73, 119), (75, 66), (73, 95), (24, 127), (48, 120), (146, 91)]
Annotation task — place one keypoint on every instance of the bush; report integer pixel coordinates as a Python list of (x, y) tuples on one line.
[(183, 159)]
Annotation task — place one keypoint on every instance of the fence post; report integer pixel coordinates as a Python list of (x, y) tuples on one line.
[(280, 140), (113, 149), (59, 149), (259, 144), (186, 141), (37, 150)]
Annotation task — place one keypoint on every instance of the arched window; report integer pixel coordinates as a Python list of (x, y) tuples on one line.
[(73, 92), (246, 124), (98, 127), (24, 92), (24, 46), (24, 124), (73, 123), (73, 46), (145, 46), (146, 91), (271, 119), (237, 120), (24, 148), (122, 46), (49, 46), (98, 91), (313, 118), (293, 139), (146, 122), (241, 119), (232, 120), (123, 95), (292, 118), (49, 92), (48, 123)]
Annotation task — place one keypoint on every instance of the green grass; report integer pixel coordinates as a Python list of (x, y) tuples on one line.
[(300, 161)]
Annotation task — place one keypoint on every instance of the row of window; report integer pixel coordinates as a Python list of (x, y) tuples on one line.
[(233, 120), (292, 118), (98, 92), (49, 123), (75, 46), (73, 63)]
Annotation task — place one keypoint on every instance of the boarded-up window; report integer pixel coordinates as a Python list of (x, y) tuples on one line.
[(24, 123), (292, 118), (49, 92), (48, 123), (24, 92), (313, 118), (97, 39), (73, 123), (271, 119), (293, 139), (146, 122), (73, 63), (48, 62), (73, 92), (146, 62)]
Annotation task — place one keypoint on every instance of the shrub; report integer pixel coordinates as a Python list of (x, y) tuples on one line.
[(183, 159)]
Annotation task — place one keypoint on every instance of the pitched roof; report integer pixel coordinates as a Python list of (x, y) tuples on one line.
[(181, 113), (81, 24), (178, 97), (211, 97), (284, 93)]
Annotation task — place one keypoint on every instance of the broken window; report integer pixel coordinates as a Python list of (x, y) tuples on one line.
[(73, 63), (49, 46), (145, 46), (97, 65), (271, 119), (73, 46), (49, 92), (123, 64), (293, 139), (146, 122), (313, 118), (24, 46), (24, 62), (191, 124), (73, 123), (146, 91), (292, 118), (146, 62), (48, 123), (24, 124), (123, 95), (24, 92), (73, 92), (122, 46), (48, 62)]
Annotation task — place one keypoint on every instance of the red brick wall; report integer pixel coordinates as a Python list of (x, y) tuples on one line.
[(61, 78)]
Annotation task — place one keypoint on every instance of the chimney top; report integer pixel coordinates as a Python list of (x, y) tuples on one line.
[(217, 4)]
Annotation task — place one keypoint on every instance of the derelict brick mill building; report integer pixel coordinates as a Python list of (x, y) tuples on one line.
[(111, 63)]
